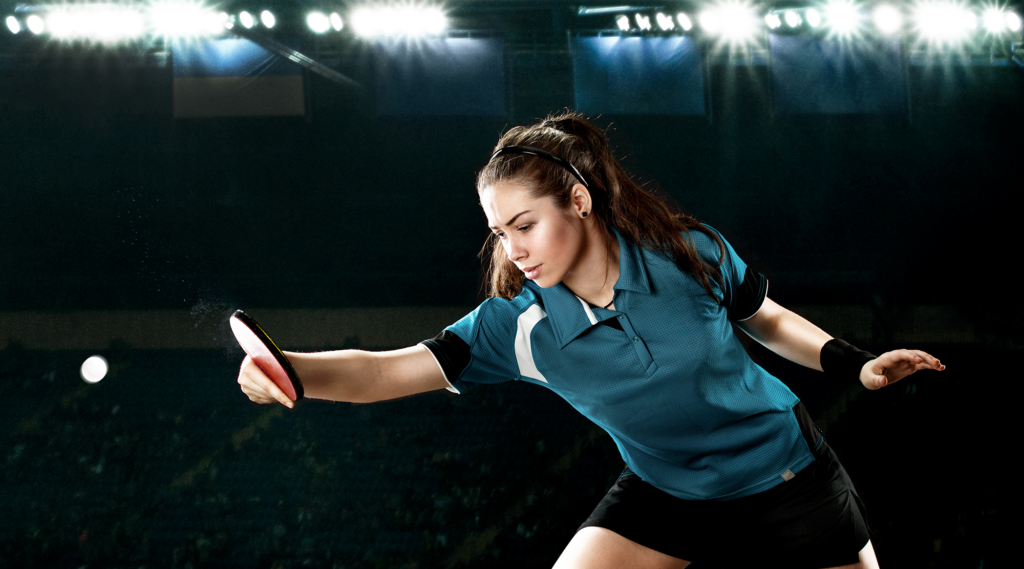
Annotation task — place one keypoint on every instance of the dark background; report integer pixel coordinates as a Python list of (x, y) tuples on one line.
[(107, 204)]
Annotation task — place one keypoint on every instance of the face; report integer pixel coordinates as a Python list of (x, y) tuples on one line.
[(540, 238)]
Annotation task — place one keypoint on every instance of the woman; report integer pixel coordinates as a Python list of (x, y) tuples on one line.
[(602, 294)]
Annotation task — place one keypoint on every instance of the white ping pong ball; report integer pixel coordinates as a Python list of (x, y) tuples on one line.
[(94, 369)]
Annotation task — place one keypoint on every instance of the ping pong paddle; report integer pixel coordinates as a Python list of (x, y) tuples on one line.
[(267, 356)]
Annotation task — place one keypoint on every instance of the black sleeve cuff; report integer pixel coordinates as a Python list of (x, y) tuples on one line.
[(749, 296), (451, 353)]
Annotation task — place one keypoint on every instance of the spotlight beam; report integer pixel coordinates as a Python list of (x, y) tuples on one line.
[(290, 54)]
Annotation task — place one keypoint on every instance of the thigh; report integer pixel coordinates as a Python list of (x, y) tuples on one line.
[(600, 548), (867, 559)]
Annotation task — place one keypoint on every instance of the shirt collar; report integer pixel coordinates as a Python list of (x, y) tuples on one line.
[(570, 316), (632, 272)]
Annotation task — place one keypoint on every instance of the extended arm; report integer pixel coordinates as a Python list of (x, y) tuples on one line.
[(786, 333), (794, 338), (350, 375)]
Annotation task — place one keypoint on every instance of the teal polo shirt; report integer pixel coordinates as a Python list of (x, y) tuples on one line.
[(663, 373)]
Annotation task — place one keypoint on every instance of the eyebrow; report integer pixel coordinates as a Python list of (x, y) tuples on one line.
[(514, 218)]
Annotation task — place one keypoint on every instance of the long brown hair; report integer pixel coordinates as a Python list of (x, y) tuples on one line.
[(641, 218)]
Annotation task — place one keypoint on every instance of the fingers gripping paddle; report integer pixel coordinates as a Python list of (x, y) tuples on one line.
[(266, 354)]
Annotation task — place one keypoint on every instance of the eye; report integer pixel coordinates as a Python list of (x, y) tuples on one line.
[(525, 228), (500, 235)]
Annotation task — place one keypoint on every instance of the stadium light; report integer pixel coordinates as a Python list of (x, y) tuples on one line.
[(623, 22), (35, 24), (643, 21), (268, 19), (842, 17), (887, 19), (734, 21), (813, 17), (997, 21), (336, 22), (684, 21), (398, 21), (318, 22), (773, 21), (665, 22), (793, 19), (246, 19), (1013, 22), (95, 23), (944, 21), (13, 24), (993, 20), (186, 19), (710, 21)]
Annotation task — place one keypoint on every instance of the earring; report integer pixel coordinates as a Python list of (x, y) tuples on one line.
[(585, 213)]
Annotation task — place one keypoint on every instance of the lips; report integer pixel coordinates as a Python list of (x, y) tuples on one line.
[(532, 272)]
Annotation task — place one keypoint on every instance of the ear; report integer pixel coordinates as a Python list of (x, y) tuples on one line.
[(581, 200)]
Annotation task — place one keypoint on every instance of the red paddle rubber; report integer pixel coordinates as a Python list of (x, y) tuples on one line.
[(258, 345)]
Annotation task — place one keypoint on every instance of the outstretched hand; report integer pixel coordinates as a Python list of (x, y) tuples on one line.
[(258, 387), (893, 366)]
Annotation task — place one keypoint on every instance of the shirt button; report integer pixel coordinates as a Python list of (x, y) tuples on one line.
[(621, 317), (635, 339)]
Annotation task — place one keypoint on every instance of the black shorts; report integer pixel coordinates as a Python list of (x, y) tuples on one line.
[(814, 520)]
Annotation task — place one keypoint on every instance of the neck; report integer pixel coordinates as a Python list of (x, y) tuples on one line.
[(596, 271)]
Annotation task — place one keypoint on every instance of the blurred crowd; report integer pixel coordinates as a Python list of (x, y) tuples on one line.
[(161, 465)]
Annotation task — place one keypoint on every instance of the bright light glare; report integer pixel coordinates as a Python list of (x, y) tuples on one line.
[(97, 23), (887, 19), (268, 19), (993, 20), (318, 22), (1013, 22), (773, 21), (943, 21), (35, 24), (736, 21), (643, 22), (246, 19), (793, 19), (336, 22), (185, 19), (970, 20), (398, 21), (623, 22), (684, 21), (842, 17), (13, 25), (710, 22), (813, 17), (665, 22)]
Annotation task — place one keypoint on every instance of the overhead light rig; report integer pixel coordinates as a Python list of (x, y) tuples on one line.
[(112, 23)]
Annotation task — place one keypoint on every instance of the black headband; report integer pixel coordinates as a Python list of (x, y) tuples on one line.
[(543, 154)]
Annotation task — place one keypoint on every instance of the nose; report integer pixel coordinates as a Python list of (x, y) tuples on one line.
[(514, 249)]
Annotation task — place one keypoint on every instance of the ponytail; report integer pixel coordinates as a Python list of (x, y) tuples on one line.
[(641, 218)]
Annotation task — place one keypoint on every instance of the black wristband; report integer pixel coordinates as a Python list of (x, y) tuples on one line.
[(843, 361)]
